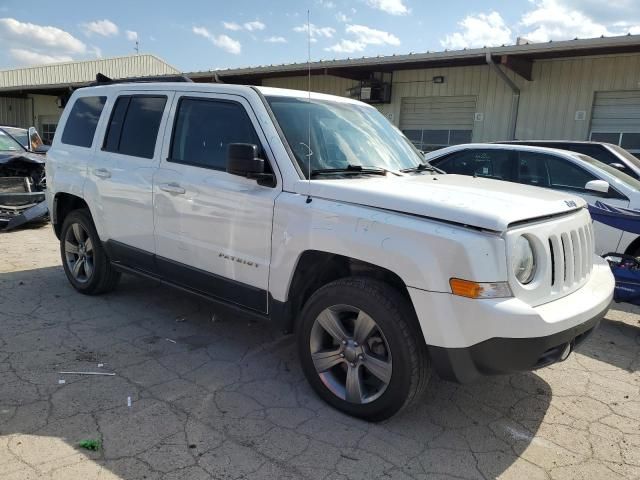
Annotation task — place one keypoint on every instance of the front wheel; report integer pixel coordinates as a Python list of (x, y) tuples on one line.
[(361, 348), (84, 260)]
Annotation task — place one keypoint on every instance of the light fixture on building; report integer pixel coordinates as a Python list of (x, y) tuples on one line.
[(438, 79)]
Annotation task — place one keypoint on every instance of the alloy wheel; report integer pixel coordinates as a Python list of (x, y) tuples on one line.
[(78, 251), (350, 354)]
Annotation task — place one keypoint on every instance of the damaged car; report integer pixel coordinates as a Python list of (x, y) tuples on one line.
[(22, 184)]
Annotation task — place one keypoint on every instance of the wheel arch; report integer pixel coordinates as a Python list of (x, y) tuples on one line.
[(315, 269), (63, 204), (633, 247)]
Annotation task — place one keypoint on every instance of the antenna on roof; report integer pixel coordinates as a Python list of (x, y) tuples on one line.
[(137, 47), (310, 152)]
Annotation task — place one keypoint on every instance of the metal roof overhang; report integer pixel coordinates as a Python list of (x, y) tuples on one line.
[(516, 57)]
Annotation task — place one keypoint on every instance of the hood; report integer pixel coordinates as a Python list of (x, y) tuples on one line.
[(7, 157), (478, 202)]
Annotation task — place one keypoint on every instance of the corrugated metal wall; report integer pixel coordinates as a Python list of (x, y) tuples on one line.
[(548, 104), (15, 112), (76, 72), (321, 84), (563, 87)]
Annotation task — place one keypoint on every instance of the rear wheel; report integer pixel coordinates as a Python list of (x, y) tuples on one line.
[(84, 260), (361, 349)]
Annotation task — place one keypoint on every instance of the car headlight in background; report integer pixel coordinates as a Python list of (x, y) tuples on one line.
[(523, 260)]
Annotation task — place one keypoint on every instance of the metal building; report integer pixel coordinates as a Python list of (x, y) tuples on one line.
[(29, 96), (579, 89)]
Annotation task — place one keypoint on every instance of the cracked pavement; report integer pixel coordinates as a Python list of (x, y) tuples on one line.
[(215, 395)]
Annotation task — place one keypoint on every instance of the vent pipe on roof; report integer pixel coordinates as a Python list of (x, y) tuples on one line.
[(515, 100)]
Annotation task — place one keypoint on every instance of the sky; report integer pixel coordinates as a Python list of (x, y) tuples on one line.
[(195, 35)]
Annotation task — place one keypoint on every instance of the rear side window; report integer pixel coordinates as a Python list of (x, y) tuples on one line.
[(82, 121), (134, 124), (204, 129), (566, 175)]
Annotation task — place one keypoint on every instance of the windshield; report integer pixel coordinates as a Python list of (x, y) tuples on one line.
[(619, 177), (625, 154), (342, 136), (20, 134), (8, 144)]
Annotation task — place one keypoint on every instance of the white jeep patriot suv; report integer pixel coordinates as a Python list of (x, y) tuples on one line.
[(313, 211)]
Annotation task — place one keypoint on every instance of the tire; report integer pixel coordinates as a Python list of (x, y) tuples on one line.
[(84, 260), (343, 374)]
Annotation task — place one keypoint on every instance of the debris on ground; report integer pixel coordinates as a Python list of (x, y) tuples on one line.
[(169, 340), (87, 373), (181, 319), (93, 445)]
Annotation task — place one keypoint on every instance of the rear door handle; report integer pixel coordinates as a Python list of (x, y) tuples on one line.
[(172, 188), (102, 173)]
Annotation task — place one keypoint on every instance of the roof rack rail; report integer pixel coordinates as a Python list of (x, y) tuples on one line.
[(102, 79)]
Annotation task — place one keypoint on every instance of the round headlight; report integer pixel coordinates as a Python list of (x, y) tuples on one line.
[(523, 261)]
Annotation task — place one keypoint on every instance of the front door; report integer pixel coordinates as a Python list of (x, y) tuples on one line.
[(213, 229)]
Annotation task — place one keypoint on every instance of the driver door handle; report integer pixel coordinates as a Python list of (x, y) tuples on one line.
[(102, 173), (172, 188)]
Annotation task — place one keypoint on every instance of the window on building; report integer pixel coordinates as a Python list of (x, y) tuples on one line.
[(204, 129), (134, 124), (429, 140), (489, 163), (48, 132), (82, 121)]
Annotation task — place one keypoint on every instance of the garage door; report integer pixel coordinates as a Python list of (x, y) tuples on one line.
[(616, 119), (15, 112), (436, 122)]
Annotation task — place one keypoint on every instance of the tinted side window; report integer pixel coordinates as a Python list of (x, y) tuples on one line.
[(595, 151), (532, 169), (82, 121), (490, 163), (563, 174), (133, 128), (204, 128)]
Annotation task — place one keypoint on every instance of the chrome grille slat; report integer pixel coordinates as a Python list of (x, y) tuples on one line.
[(569, 268)]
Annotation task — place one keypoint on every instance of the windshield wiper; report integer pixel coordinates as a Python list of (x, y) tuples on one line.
[(351, 169), (423, 167)]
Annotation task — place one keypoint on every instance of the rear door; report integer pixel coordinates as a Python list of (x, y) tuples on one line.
[(213, 229), (122, 169)]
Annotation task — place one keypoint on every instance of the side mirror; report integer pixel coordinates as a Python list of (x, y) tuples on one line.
[(619, 166), (599, 186), (243, 160)]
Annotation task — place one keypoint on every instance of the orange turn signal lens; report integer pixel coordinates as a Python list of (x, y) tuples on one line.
[(469, 289)]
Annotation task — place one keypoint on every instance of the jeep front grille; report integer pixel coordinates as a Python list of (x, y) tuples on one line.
[(571, 257)]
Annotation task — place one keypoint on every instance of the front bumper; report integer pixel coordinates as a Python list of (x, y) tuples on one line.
[(16, 209), (469, 338)]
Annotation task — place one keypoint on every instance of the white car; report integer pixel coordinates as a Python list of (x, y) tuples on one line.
[(560, 170), (315, 213)]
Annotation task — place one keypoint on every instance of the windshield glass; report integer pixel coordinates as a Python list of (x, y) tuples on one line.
[(343, 135), (8, 144), (619, 177), (20, 134), (625, 154)]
